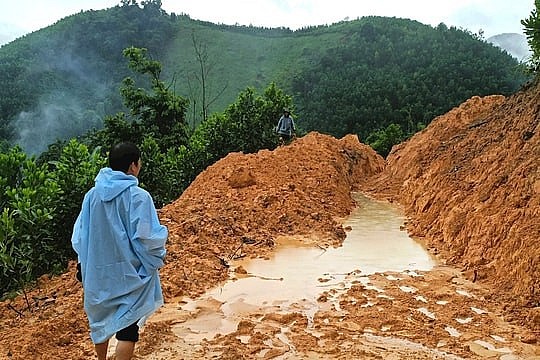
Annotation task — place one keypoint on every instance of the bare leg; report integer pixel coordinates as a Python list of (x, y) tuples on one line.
[(124, 350), (101, 350)]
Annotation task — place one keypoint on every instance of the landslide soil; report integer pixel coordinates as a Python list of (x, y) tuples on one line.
[(469, 185)]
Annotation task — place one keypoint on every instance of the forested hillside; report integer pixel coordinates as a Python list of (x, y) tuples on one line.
[(373, 76), (400, 72), (62, 80)]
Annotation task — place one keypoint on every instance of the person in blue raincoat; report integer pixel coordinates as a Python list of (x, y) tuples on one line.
[(120, 245)]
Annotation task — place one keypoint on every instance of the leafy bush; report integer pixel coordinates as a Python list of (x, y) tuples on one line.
[(39, 204), (382, 141), (246, 125), (27, 242), (162, 175)]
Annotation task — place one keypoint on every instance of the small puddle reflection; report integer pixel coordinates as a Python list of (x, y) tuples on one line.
[(296, 275)]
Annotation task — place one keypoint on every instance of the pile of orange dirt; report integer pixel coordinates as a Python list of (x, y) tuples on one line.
[(470, 182), (240, 204)]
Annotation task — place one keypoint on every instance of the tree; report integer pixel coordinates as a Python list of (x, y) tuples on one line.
[(205, 69), (247, 125), (28, 246), (532, 31), (382, 141), (156, 122), (128, 2), (73, 185), (159, 110)]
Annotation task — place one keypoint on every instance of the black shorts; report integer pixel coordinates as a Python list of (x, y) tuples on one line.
[(131, 333)]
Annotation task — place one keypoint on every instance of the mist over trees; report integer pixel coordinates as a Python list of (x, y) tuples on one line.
[(63, 80), (514, 44)]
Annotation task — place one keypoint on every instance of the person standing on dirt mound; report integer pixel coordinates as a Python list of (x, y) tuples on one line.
[(285, 128), (120, 245)]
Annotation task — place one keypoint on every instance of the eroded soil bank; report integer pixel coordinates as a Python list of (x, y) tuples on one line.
[(469, 183)]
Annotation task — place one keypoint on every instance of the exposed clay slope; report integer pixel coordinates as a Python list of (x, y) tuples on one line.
[(242, 202), (470, 182)]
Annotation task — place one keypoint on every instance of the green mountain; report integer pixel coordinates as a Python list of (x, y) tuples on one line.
[(351, 77)]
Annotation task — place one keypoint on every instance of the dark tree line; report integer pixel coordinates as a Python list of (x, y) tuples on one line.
[(401, 73)]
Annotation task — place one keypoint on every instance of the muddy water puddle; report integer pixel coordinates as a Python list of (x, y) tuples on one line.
[(293, 279)]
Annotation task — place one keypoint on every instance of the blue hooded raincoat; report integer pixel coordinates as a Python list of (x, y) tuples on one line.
[(121, 245)]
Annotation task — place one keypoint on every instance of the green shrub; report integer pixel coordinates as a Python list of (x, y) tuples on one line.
[(532, 31), (27, 242)]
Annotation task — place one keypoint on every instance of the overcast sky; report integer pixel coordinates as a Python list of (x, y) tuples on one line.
[(18, 17)]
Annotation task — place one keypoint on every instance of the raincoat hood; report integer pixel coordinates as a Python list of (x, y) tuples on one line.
[(111, 183)]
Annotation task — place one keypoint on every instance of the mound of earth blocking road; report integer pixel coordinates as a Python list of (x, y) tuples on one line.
[(239, 205)]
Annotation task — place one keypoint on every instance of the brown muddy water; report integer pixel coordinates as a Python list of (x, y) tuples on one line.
[(375, 243), (297, 274)]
